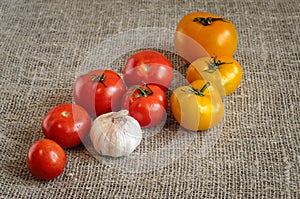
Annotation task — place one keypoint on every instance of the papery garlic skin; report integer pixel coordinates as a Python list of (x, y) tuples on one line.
[(115, 134)]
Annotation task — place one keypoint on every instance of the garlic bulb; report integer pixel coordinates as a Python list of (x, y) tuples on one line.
[(115, 134)]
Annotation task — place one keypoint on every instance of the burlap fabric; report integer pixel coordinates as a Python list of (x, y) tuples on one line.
[(256, 155)]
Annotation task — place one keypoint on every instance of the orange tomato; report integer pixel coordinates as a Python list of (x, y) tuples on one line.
[(202, 34), (225, 72), (198, 106)]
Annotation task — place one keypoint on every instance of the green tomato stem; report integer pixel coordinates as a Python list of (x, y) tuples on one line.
[(98, 78), (144, 92), (204, 87), (214, 64), (197, 91)]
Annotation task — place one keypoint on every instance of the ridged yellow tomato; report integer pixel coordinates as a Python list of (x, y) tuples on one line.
[(225, 72), (202, 34), (198, 106)]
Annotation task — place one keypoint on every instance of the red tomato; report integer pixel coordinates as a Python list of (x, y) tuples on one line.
[(46, 159), (99, 91), (66, 124), (150, 67), (146, 103)]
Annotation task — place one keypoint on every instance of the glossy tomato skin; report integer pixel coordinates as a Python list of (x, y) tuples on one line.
[(192, 39), (46, 159), (195, 112), (99, 91), (150, 67), (227, 75), (231, 74), (147, 110), (66, 124)]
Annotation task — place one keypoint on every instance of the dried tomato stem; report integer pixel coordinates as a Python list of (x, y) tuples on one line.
[(207, 20)]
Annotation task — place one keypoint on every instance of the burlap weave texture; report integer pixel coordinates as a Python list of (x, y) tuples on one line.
[(42, 45)]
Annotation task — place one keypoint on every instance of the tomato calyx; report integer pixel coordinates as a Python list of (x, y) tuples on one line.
[(97, 78), (143, 91), (197, 91), (207, 20), (214, 64)]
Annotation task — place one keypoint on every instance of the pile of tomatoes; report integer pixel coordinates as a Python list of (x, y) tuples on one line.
[(147, 76), (206, 42)]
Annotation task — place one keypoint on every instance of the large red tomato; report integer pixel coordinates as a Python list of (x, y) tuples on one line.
[(46, 159), (146, 103), (99, 91), (150, 67), (66, 124), (201, 34)]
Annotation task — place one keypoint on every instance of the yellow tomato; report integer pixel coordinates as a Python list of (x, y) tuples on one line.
[(198, 106), (225, 72), (201, 34)]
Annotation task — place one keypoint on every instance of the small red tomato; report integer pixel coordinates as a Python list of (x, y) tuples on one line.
[(46, 159), (146, 103), (66, 124), (150, 67), (99, 91)]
